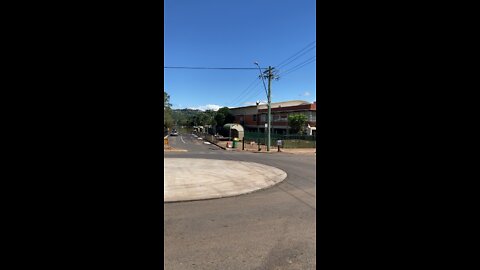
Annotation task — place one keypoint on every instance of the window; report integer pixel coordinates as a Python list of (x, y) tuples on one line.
[(254, 117), (312, 116), (280, 118)]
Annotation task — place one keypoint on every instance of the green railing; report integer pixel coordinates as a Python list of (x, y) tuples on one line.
[(288, 141)]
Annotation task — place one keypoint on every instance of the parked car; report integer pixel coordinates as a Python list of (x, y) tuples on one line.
[(174, 133)]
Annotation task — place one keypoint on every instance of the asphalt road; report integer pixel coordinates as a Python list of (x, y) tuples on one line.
[(273, 228)]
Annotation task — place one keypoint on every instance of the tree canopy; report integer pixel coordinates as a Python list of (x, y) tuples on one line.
[(297, 122), (224, 116), (167, 111), (190, 117)]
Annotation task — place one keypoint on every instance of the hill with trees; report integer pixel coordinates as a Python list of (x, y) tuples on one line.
[(191, 117)]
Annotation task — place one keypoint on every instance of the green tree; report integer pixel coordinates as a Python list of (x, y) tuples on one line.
[(297, 122), (167, 111), (166, 100), (185, 117), (220, 119), (203, 119), (223, 116), (210, 115)]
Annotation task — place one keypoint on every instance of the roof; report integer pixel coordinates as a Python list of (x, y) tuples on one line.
[(233, 126), (276, 104)]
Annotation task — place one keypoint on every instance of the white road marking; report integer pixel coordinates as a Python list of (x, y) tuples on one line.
[(206, 143), (181, 138)]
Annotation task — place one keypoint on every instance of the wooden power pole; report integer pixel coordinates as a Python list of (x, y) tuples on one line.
[(270, 75)]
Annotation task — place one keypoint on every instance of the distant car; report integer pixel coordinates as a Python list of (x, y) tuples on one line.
[(174, 133)]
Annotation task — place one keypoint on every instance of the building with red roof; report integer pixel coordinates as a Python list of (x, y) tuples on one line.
[(253, 118)]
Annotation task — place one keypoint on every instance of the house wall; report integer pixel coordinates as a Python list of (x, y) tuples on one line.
[(245, 116)]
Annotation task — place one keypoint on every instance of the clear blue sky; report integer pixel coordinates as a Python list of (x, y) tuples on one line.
[(231, 33)]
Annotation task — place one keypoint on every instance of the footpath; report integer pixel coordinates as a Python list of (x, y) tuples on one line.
[(263, 149), (253, 147)]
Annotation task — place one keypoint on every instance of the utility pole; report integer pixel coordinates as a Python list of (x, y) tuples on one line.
[(269, 94), (270, 75)]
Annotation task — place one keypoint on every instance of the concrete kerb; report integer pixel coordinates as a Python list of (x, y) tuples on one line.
[(174, 150), (265, 152), (281, 152), (214, 144), (258, 152), (227, 196)]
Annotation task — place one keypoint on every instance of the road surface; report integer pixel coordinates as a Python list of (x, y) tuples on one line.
[(273, 228)]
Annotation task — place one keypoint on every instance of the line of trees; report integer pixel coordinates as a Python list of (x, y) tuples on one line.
[(190, 118)]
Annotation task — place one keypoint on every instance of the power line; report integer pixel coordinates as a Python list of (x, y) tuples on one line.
[(298, 56), (296, 53), (220, 68), (245, 92), (254, 98), (299, 66), (301, 63), (226, 68), (252, 95), (257, 91)]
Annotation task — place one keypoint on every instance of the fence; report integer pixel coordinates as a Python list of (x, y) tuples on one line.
[(208, 137), (288, 141)]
